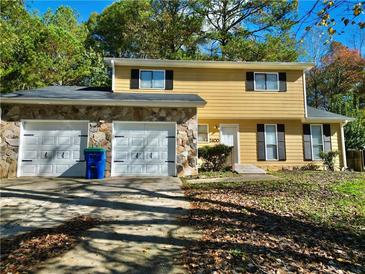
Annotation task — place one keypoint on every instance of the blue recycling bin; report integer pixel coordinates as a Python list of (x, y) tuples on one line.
[(95, 158)]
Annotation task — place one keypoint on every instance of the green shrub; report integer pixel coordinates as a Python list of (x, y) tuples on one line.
[(214, 157), (328, 159), (310, 166)]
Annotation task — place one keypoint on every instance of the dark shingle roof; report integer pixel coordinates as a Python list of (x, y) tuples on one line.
[(314, 113), (95, 96)]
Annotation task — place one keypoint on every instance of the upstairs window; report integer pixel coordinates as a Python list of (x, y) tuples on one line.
[(152, 79), (266, 81), (203, 133)]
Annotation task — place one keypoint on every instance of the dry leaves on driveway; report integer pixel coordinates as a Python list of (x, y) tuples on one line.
[(25, 252)]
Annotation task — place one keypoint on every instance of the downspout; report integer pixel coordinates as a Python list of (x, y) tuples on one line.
[(305, 95), (113, 75), (343, 147)]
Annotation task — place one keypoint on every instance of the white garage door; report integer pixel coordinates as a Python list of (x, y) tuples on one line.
[(144, 149), (53, 148)]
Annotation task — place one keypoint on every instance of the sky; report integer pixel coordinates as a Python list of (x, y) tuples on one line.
[(85, 7)]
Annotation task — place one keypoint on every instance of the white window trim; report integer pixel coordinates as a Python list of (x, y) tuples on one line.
[(277, 142), (164, 78), (263, 72), (312, 140), (207, 142)]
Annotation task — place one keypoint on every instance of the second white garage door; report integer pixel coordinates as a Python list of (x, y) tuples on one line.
[(144, 149)]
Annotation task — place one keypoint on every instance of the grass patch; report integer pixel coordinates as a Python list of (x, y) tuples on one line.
[(355, 188), (217, 174)]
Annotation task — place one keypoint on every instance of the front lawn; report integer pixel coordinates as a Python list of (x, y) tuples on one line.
[(310, 221), (217, 174)]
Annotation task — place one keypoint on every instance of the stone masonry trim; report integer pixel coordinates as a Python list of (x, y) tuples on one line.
[(100, 129)]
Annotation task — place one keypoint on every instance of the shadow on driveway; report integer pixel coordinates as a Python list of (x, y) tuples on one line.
[(141, 230)]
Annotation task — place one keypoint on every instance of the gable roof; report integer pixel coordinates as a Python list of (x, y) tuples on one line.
[(207, 64), (314, 114), (76, 95)]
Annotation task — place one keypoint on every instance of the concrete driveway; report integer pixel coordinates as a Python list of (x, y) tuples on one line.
[(142, 235)]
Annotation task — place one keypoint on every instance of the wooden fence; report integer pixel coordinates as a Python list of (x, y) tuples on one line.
[(356, 159)]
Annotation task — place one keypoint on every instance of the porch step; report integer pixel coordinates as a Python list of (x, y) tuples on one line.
[(248, 169)]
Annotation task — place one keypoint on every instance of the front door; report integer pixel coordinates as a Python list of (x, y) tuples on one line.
[(229, 137)]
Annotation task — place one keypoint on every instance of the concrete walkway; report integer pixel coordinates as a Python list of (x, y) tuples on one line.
[(142, 233)]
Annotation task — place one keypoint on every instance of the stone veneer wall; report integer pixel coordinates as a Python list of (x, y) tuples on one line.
[(100, 129)]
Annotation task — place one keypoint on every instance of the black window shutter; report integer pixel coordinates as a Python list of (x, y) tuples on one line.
[(169, 79), (327, 137), (307, 142), (250, 81), (281, 142), (134, 84), (261, 142), (282, 81)]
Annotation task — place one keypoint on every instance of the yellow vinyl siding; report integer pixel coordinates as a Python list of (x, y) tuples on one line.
[(336, 143), (224, 91), (248, 141)]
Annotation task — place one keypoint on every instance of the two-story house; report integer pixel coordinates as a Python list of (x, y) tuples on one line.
[(160, 111)]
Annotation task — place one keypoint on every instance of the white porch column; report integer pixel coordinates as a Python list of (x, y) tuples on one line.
[(343, 148)]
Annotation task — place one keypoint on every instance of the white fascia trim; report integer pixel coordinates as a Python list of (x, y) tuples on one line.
[(113, 75), (327, 120), (208, 64), (149, 103)]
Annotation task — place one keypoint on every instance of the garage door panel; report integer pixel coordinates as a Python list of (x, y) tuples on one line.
[(48, 140), (153, 141), (135, 127), (144, 148), (136, 169), (62, 168), (77, 155), (44, 169), (29, 169), (64, 155), (152, 155), (165, 168), (64, 140), (155, 169), (121, 155), (121, 141), (31, 155), (32, 140), (54, 148), (46, 154), (120, 168)]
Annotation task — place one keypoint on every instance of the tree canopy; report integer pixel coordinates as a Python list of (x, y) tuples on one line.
[(338, 85), (55, 48), (38, 51), (182, 29)]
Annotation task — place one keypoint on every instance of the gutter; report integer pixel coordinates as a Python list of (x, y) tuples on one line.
[(328, 120), (102, 102), (207, 64)]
